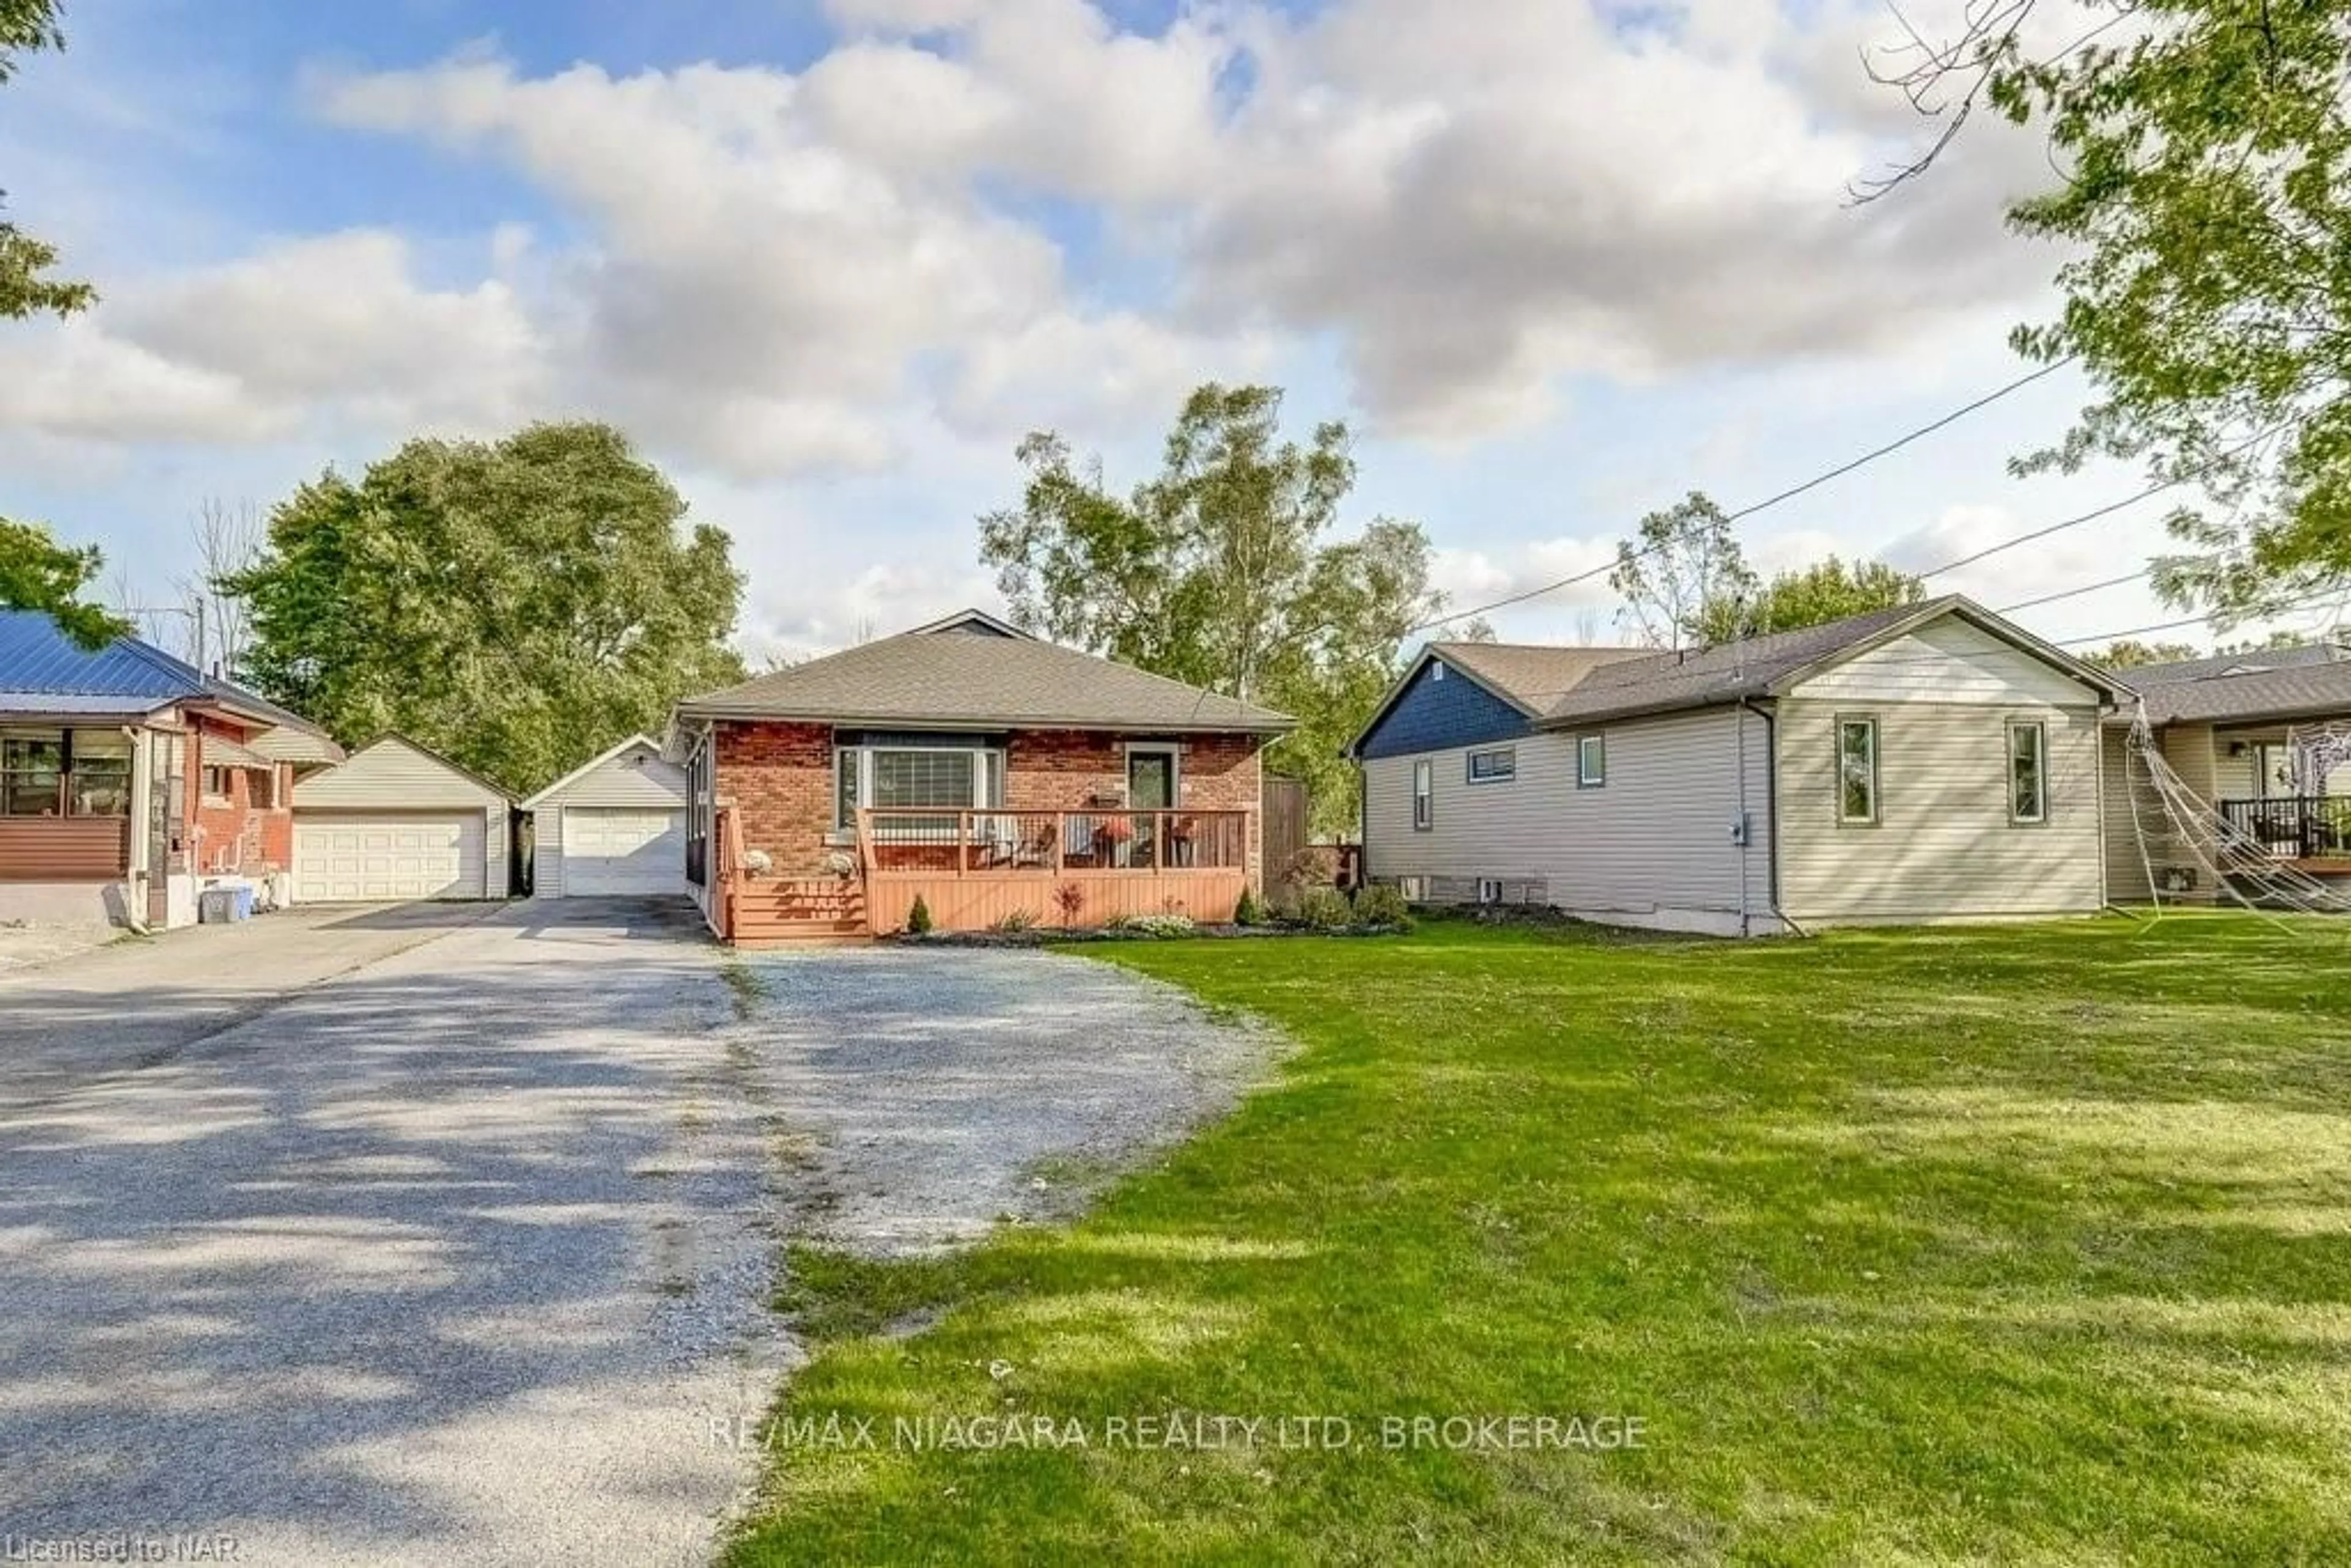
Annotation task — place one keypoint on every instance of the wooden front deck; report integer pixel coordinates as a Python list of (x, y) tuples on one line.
[(982, 870), (975, 871)]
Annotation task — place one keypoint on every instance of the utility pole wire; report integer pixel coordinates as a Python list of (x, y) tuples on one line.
[(1790, 494), (2107, 510)]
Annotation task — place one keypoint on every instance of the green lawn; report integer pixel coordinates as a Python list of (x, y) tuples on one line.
[(2000, 1245)]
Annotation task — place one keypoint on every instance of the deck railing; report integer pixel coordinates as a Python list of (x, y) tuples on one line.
[(2295, 827), (1047, 843)]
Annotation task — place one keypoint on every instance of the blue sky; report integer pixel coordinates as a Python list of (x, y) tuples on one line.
[(1557, 264)]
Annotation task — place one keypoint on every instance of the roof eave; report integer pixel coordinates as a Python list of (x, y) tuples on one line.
[(1263, 724), (1983, 620), (1554, 723)]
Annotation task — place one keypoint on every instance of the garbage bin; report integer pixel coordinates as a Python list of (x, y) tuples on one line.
[(217, 905), (244, 910)]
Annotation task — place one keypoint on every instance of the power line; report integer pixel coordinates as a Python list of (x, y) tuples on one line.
[(2109, 509), (2075, 592), (1769, 501), (2333, 597)]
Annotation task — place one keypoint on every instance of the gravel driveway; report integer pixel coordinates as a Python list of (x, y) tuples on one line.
[(453, 1243), (934, 1091)]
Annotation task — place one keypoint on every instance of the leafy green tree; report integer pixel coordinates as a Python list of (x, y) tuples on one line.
[(1828, 590), (38, 573), (1216, 572), (517, 605), (2203, 151), (26, 26), (1679, 562), (2129, 654)]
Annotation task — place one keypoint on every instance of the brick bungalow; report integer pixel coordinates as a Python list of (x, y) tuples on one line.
[(129, 779), (1000, 777)]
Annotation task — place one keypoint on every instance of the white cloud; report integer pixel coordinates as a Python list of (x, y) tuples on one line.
[(967, 219), (1483, 198), (251, 350), (1469, 577)]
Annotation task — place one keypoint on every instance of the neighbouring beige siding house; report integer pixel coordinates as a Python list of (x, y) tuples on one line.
[(1929, 763), (396, 822), (614, 826), (2262, 740)]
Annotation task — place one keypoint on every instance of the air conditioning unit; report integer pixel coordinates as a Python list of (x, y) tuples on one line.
[(2179, 879)]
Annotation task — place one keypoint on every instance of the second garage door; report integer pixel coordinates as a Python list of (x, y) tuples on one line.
[(378, 859), (611, 850)]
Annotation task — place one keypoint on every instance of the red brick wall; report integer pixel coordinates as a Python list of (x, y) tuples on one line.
[(234, 834), (780, 777)]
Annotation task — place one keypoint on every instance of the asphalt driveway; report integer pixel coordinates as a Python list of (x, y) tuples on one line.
[(443, 1235), (457, 1255)]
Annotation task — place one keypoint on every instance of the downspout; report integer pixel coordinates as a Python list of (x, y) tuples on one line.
[(1771, 807), (139, 844), (1746, 828), (1363, 823)]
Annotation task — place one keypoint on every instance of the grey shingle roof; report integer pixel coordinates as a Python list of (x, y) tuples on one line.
[(1532, 675), (1761, 666), (2296, 691), (2145, 676), (945, 677), (1724, 671)]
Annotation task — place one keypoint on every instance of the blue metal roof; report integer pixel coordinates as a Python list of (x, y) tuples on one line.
[(37, 659), (44, 671)]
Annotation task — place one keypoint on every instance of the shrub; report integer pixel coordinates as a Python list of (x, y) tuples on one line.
[(918, 919), (1381, 905), (1323, 909), (1153, 926), (1017, 921), (1068, 898), (1248, 912), (1316, 866)]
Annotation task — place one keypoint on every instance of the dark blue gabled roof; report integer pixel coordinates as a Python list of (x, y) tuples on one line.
[(42, 669)]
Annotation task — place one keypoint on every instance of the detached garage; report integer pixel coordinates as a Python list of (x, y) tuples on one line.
[(397, 822), (615, 827)]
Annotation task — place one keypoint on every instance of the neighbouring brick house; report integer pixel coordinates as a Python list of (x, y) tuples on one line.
[(129, 779), (999, 777)]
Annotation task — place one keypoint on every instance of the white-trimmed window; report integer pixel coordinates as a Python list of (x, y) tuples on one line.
[(1424, 795), (1494, 766), (1489, 889), (1591, 761), (1857, 770), (2028, 772), (894, 775), (1413, 889)]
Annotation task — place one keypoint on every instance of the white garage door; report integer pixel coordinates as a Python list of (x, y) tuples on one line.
[(375, 860), (608, 851)]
